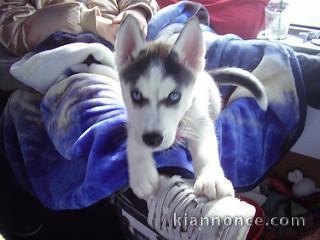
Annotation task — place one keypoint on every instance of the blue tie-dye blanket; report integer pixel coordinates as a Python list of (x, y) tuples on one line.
[(66, 145)]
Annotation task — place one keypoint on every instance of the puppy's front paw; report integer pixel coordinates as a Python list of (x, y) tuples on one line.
[(144, 183), (213, 186)]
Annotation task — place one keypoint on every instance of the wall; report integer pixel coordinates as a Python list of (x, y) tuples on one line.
[(309, 142)]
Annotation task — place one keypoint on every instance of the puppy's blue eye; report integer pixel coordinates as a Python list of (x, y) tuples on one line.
[(173, 98), (136, 96)]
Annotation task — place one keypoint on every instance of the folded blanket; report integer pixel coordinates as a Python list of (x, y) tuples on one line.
[(41, 70), (67, 145)]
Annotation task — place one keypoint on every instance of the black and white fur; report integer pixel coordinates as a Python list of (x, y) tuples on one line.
[(168, 95)]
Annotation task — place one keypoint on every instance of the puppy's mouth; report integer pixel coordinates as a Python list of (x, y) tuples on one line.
[(178, 131), (169, 140), (167, 143)]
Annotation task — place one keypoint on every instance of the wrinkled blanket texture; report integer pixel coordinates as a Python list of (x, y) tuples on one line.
[(67, 144)]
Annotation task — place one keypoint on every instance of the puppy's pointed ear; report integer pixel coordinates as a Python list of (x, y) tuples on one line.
[(129, 41), (190, 45)]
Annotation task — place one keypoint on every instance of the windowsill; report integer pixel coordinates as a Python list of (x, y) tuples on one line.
[(296, 41)]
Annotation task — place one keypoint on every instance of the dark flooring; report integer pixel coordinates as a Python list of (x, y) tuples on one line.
[(23, 217)]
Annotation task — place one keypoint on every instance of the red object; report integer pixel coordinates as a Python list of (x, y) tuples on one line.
[(255, 230), (244, 18), (279, 186), (314, 236), (309, 200)]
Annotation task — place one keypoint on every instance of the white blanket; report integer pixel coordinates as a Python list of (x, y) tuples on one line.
[(41, 70)]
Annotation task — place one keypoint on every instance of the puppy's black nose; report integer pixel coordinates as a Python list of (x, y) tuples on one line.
[(152, 139)]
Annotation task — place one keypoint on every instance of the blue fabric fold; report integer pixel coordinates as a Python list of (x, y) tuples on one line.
[(67, 147)]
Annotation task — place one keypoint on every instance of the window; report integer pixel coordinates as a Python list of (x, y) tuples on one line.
[(305, 13), (305, 20)]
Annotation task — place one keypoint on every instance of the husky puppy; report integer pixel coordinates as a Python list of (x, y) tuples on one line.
[(169, 96)]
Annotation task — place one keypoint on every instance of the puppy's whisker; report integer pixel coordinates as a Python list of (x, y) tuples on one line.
[(178, 143), (189, 131), (189, 136), (188, 121)]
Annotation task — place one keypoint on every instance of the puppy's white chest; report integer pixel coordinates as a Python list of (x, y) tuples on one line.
[(206, 96)]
